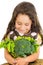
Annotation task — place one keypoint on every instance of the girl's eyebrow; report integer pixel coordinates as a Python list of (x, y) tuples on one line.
[(21, 23), (25, 23)]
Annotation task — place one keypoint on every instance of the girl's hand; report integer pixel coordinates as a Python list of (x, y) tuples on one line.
[(14, 62), (21, 61)]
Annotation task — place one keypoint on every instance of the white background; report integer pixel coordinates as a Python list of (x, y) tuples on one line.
[(6, 9)]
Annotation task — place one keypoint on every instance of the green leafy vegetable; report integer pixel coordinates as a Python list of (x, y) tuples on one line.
[(22, 46)]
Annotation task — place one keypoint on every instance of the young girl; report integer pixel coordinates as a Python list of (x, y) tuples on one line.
[(24, 22)]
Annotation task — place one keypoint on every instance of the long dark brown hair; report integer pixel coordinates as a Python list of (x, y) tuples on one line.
[(28, 9)]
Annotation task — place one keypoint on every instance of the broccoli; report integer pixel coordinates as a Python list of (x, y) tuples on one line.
[(22, 46)]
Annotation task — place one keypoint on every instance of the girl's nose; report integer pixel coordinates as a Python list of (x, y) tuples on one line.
[(23, 27)]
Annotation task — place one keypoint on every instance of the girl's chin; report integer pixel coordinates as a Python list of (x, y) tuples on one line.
[(22, 32)]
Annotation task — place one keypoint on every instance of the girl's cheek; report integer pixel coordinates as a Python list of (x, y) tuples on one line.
[(17, 26), (29, 27)]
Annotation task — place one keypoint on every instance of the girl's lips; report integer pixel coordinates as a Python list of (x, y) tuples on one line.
[(21, 30)]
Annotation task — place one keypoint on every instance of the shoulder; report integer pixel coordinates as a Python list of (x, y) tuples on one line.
[(10, 35), (39, 39)]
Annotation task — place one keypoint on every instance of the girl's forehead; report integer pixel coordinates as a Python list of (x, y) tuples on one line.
[(23, 18)]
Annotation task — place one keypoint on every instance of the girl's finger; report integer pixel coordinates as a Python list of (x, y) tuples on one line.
[(17, 64)]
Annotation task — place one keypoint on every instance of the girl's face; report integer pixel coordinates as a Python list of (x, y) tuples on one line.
[(23, 23)]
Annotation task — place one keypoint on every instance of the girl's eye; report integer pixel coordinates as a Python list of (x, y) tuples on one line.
[(26, 24), (19, 23)]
